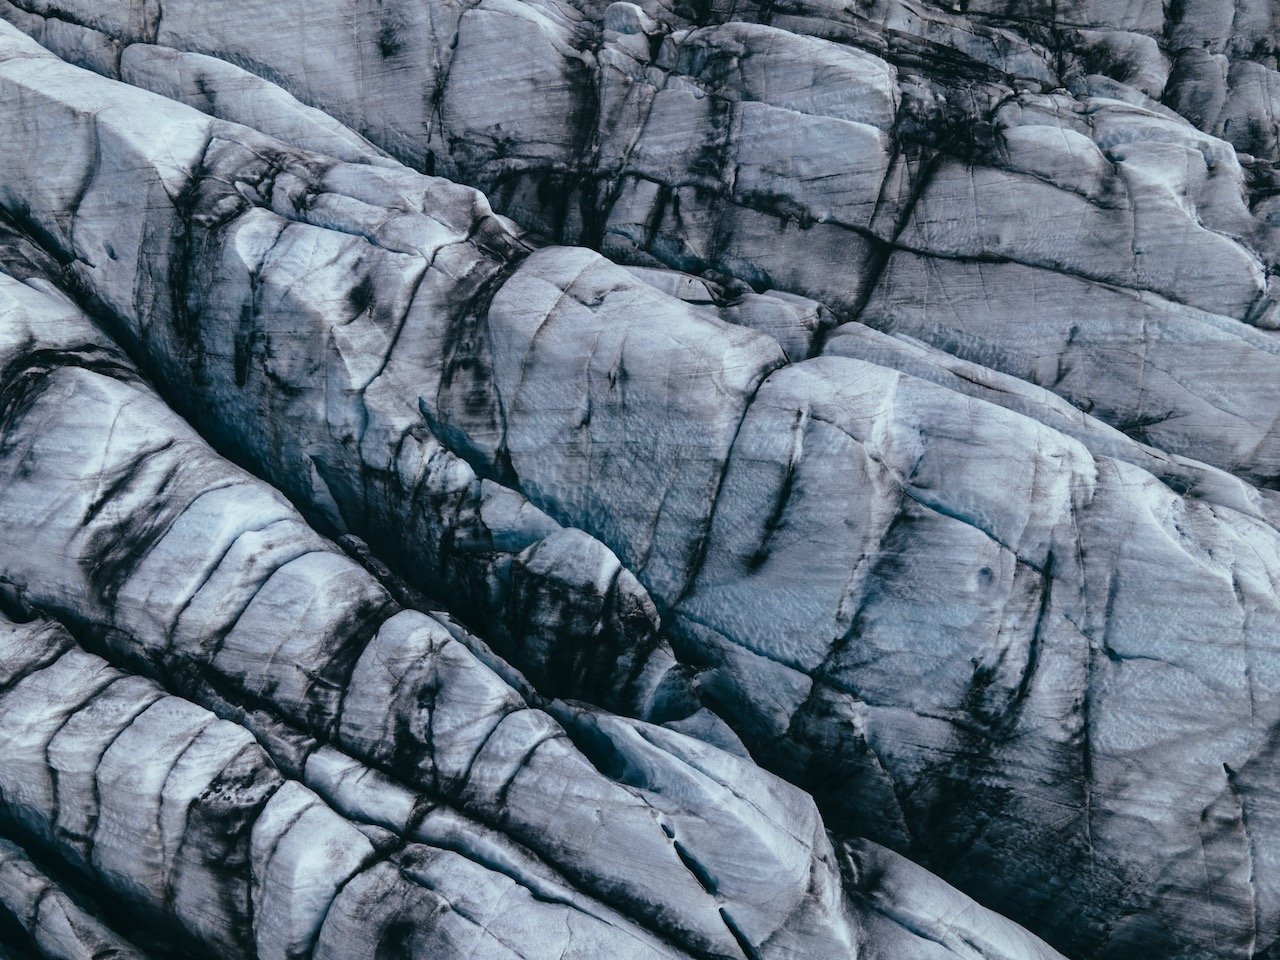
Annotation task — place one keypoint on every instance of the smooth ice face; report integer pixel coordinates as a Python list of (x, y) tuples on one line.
[(550, 479)]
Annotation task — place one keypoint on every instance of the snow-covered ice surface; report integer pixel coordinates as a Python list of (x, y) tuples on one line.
[(558, 480)]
